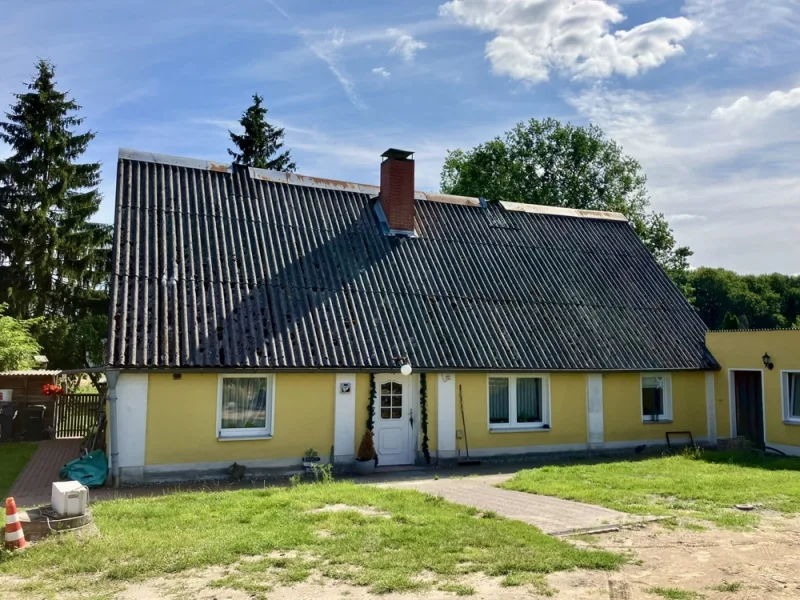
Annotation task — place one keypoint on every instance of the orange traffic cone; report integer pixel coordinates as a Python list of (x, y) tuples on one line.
[(15, 537)]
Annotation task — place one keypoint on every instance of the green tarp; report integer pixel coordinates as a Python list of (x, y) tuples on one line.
[(90, 470)]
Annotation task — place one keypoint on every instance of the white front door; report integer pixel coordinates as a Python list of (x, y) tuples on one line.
[(393, 429)]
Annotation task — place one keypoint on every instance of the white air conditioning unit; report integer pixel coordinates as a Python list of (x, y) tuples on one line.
[(69, 498)]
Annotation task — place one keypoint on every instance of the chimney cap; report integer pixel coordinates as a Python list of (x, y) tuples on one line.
[(397, 154)]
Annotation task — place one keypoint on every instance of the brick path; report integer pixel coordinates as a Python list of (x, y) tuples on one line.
[(552, 515), (34, 483)]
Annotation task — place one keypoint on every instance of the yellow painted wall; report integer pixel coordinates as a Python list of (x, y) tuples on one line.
[(622, 407), (182, 415), (743, 350), (568, 413), (433, 412), (182, 419)]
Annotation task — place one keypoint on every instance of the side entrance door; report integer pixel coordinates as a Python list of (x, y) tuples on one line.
[(749, 408), (393, 420)]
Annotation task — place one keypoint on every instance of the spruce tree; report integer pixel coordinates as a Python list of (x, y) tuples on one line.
[(260, 144), (51, 255)]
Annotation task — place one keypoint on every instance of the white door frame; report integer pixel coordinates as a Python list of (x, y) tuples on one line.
[(410, 408), (732, 401)]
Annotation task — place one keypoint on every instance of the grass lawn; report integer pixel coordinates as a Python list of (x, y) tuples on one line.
[(408, 541), (13, 458), (705, 486)]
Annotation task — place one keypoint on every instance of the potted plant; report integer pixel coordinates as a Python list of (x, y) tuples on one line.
[(310, 458), (367, 458)]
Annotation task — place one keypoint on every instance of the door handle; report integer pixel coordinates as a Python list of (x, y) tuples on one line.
[(411, 417)]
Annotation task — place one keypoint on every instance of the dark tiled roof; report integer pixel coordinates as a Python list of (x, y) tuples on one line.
[(214, 268)]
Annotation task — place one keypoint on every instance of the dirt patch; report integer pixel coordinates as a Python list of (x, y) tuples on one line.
[(763, 563), (367, 511)]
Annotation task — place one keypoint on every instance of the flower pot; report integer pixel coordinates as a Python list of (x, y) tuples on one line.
[(364, 467)]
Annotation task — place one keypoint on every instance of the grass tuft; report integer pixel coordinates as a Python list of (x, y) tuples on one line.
[(457, 588), (729, 586), (674, 593), (537, 580), (245, 583)]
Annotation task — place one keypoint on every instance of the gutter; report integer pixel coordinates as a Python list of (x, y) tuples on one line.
[(112, 375)]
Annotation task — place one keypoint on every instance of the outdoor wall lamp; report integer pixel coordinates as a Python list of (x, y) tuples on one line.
[(767, 361), (405, 365)]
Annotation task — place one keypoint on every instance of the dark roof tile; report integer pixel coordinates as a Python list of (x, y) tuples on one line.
[(215, 269)]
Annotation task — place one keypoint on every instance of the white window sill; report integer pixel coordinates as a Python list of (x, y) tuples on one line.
[(659, 421), (518, 429), (791, 421), (242, 438)]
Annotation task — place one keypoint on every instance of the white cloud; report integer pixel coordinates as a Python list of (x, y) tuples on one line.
[(382, 72), (405, 45), (742, 21), (729, 195), (749, 110), (574, 37), (751, 32), (327, 50), (685, 217)]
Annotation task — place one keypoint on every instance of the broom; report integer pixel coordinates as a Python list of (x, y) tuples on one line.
[(467, 461)]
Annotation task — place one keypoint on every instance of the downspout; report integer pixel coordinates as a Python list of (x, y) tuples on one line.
[(112, 375)]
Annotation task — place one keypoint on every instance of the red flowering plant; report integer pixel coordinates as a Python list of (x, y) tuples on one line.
[(51, 389)]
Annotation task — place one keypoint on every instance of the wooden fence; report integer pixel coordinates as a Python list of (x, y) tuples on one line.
[(76, 414)]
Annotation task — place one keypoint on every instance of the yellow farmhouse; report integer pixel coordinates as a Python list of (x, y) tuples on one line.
[(257, 315)]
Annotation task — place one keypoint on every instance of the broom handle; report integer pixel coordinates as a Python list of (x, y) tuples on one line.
[(463, 420)]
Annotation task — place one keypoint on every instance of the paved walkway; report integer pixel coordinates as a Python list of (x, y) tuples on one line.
[(33, 485), (471, 486), (552, 515)]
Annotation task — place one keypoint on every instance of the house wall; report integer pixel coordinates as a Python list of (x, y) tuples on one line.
[(182, 423), (744, 350), (168, 425), (622, 414), (622, 404), (433, 414), (567, 426)]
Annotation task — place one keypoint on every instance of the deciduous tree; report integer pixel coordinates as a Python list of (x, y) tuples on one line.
[(17, 345), (556, 164)]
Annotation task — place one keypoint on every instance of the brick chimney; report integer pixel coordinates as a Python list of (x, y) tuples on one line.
[(397, 190)]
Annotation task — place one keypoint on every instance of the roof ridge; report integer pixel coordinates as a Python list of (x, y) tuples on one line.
[(359, 188), (753, 329)]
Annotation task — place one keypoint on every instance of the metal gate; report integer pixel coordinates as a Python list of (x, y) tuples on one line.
[(76, 414)]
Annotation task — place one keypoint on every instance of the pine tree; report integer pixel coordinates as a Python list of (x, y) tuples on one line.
[(51, 255), (260, 144)]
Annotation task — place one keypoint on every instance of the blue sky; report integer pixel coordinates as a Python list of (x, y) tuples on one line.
[(704, 93)]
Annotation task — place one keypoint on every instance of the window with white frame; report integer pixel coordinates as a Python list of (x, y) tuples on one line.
[(245, 406), (519, 402), (656, 398), (791, 396)]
